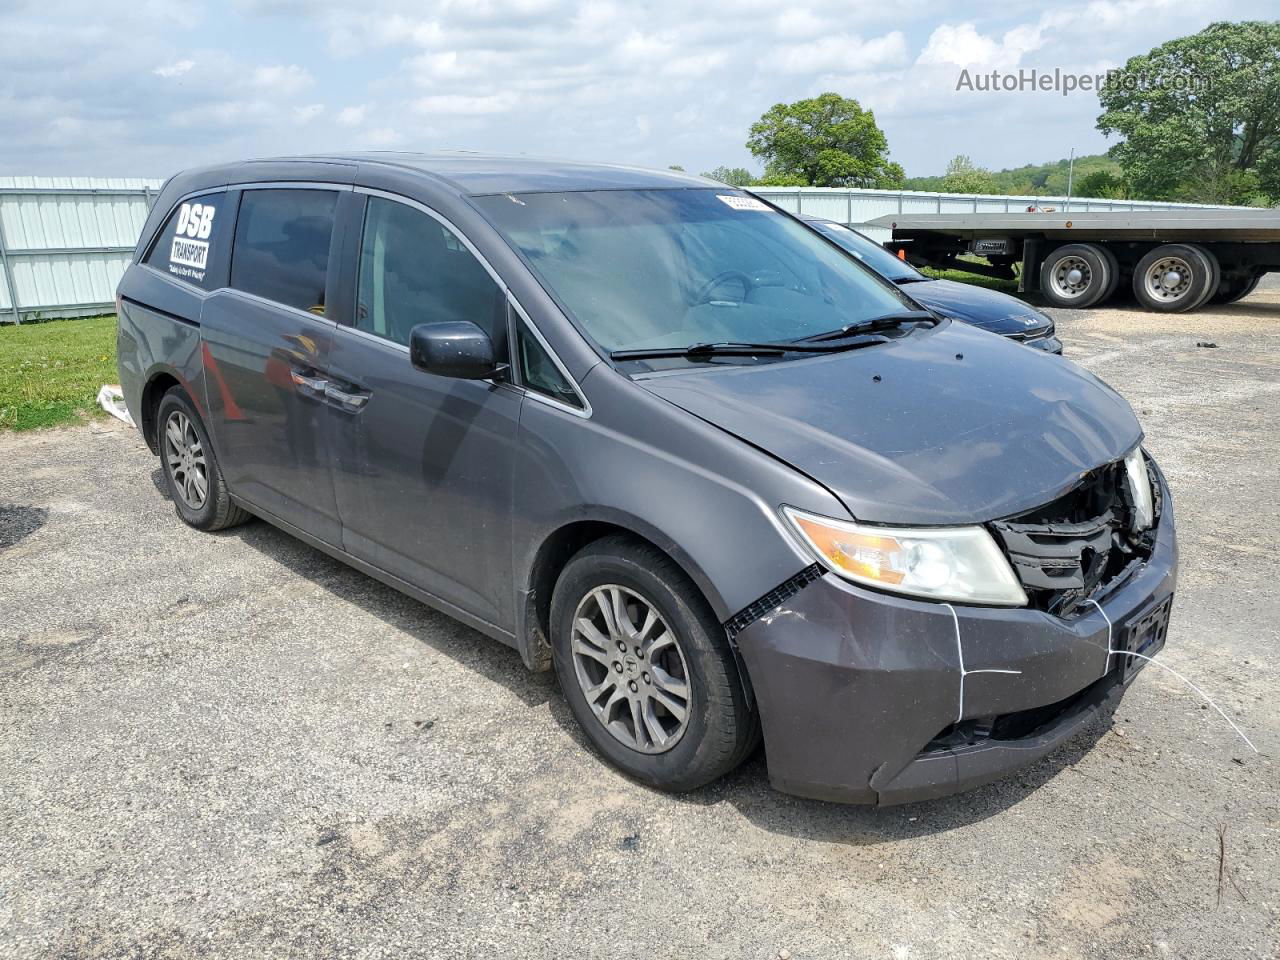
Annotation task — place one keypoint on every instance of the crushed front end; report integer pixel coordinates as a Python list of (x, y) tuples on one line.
[(873, 697)]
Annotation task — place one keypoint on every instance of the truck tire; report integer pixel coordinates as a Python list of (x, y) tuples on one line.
[(1173, 278), (1114, 281), (1215, 273), (1076, 275), (1236, 287)]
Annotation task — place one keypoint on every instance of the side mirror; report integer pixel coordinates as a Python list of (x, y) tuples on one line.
[(453, 348)]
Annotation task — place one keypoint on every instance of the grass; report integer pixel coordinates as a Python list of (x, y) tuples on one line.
[(50, 372), (975, 279)]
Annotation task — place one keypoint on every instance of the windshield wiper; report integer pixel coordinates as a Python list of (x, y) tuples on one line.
[(888, 322), (698, 351)]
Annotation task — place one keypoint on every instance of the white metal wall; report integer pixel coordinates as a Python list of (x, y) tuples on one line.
[(65, 241)]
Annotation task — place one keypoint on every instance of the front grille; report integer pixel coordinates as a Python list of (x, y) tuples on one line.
[(1079, 546)]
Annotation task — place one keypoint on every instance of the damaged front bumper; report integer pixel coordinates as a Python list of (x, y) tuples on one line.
[(870, 697)]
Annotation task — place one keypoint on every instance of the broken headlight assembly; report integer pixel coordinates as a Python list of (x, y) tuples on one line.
[(1139, 481), (963, 564)]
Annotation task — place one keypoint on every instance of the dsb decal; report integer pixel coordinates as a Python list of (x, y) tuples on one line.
[(195, 220)]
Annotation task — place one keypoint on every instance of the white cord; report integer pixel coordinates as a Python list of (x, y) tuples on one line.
[(1163, 666)]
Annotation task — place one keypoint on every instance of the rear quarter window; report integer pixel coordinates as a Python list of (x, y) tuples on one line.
[(188, 246)]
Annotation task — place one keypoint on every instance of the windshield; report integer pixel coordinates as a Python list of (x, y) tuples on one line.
[(868, 251), (670, 268)]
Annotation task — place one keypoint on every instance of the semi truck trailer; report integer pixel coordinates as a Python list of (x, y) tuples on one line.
[(1173, 260)]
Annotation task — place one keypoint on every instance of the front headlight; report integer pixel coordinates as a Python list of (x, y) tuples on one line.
[(1135, 468), (939, 563)]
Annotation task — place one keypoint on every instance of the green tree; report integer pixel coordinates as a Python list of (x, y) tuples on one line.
[(733, 176), (964, 177), (676, 166), (1199, 112), (826, 141), (1101, 184)]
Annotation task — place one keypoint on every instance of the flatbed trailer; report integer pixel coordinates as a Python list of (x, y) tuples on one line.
[(1174, 260)]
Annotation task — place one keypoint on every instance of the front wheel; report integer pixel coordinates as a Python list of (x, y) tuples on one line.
[(646, 667)]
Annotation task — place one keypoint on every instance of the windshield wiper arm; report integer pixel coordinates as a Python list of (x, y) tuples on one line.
[(696, 350), (887, 322)]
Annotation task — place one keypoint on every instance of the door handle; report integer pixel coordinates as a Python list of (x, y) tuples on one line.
[(354, 400), (318, 384)]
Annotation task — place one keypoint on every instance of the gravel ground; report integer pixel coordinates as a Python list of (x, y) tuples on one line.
[(233, 746)]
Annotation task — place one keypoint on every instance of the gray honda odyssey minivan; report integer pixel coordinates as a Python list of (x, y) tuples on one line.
[(655, 433)]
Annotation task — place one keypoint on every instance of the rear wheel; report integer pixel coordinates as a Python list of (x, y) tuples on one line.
[(191, 471), (1076, 275), (1173, 278), (1235, 287), (646, 667)]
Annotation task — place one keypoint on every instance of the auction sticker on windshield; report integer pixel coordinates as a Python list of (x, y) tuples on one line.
[(743, 203)]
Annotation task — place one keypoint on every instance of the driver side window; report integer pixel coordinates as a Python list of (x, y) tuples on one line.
[(414, 269)]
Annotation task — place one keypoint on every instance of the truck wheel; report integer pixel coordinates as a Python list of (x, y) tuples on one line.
[(646, 667), (191, 470), (1236, 287), (1076, 275), (1215, 273), (1173, 278), (1114, 265)]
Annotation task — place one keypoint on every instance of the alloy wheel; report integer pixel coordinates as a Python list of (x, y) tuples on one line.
[(184, 454), (630, 668)]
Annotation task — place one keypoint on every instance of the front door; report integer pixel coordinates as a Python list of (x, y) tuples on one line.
[(265, 344), (423, 467)]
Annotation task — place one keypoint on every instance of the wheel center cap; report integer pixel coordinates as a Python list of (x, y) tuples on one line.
[(1172, 278), (1074, 276), (632, 667)]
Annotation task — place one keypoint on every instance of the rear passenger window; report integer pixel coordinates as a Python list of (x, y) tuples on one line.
[(540, 372), (183, 246), (414, 270), (282, 246)]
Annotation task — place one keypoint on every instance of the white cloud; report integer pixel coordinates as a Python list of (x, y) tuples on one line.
[(353, 116), (307, 113), (175, 69), (840, 51), (282, 80), (459, 103)]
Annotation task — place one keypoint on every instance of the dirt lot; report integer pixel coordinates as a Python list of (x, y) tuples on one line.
[(233, 746)]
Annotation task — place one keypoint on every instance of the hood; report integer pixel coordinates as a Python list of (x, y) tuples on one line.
[(908, 433), (988, 309)]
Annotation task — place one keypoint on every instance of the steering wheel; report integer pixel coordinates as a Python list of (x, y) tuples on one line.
[(704, 292)]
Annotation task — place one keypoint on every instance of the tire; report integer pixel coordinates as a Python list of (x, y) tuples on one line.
[(717, 730), (1113, 280), (1215, 273), (1076, 275), (1154, 290), (1236, 287), (190, 467)]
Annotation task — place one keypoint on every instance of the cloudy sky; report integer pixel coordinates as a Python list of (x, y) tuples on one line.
[(147, 87)]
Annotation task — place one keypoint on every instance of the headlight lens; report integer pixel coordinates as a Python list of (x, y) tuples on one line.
[(1135, 468), (939, 563)]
